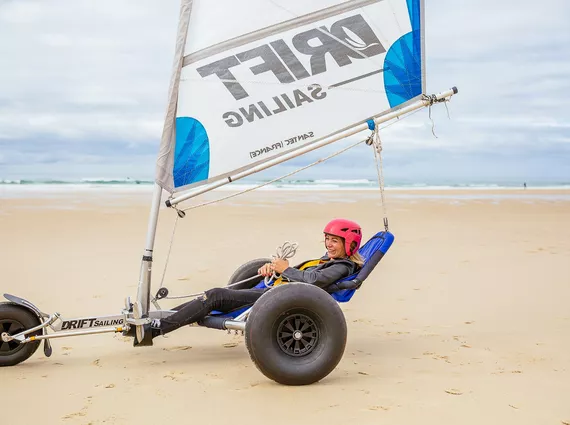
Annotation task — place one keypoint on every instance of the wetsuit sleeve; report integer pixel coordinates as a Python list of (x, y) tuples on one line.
[(320, 277)]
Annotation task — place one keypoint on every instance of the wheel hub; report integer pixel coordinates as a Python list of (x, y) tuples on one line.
[(9, 327), (297, 335)]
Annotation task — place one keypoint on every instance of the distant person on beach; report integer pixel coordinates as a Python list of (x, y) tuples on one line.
[(342, 239), (524, 185)]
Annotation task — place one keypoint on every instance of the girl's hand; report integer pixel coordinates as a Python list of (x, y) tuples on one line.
[(265, 270), (279, 265)]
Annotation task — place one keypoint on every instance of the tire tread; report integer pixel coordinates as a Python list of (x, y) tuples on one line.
[(29, 320)]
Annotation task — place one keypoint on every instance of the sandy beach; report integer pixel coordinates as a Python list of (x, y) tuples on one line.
[(465, 321)]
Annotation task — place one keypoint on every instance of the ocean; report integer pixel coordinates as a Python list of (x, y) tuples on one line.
[(25, 188)]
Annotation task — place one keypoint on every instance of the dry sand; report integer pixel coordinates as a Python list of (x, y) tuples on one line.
[(465, 321)]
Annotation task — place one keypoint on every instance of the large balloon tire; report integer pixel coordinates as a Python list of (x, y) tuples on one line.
[(246, 271), (13, 320), (296, 334)]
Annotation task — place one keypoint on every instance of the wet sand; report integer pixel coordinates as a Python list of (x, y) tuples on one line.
[(466, 320)]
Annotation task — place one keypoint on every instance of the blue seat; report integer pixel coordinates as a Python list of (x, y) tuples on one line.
[(343, 290), (372, 252)]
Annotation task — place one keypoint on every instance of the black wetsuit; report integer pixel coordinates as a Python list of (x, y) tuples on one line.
[(227, 299)]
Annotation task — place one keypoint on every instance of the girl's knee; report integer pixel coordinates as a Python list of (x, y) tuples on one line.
[(215, 294)]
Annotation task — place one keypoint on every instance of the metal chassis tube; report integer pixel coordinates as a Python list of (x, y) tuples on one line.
[(127, 320), (143, 293), (83, 326)]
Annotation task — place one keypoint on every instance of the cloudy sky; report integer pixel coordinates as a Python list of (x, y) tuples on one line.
[(83, 86)]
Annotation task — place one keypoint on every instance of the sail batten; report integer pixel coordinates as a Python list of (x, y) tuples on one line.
[(276, 29), (284, 84)]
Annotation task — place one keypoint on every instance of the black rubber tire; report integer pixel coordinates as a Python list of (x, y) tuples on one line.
[(247, 270), (14, 319), (265, 337)]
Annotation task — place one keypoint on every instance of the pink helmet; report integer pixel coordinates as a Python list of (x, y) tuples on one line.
[(346, 229)]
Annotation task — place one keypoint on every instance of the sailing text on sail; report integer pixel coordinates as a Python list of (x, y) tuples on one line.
[(347, 39), (276, 105)]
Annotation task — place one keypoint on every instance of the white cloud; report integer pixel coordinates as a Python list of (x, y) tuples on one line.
[(75, 73), (77, 70)]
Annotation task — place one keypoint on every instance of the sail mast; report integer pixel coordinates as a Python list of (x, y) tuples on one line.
[(143, 293), (168, 139)]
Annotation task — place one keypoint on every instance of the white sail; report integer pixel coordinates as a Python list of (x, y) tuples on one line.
[(254, 79)]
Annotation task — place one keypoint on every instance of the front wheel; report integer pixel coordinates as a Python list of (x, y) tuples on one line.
[(296, 334), (13, 320), (246, 271)]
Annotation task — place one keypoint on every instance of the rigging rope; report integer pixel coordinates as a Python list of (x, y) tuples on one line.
[(373, 139), (284, 252), (431, 99), (274, 180), (294, 171), (168, 253)]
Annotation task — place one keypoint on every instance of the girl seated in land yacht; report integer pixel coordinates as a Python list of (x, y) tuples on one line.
[(342, 239)]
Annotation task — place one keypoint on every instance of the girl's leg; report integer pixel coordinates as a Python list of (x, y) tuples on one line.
[(222, 299)]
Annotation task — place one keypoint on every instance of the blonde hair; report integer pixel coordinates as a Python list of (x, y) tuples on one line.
[(357, 259)]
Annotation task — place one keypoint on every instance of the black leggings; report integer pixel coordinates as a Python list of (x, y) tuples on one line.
[(222, 299)]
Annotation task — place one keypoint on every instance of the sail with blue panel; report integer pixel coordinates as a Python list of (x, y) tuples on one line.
[(255, 79)]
